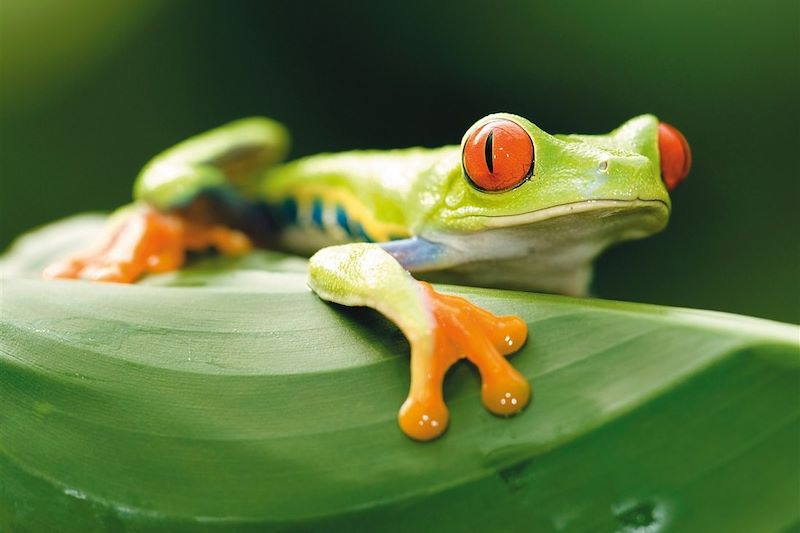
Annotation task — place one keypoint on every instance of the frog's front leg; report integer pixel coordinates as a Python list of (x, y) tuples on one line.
[(441, 330)]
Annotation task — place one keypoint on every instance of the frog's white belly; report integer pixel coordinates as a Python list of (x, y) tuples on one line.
[(550, 250)]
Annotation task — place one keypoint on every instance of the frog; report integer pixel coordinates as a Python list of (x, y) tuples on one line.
[(510, 207)]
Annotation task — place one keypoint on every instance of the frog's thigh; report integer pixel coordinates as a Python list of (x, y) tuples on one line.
[(441, 329)]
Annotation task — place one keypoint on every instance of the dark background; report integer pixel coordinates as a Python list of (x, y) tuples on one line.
[(92, 89)]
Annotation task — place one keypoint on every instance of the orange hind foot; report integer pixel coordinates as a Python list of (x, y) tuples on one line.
[(148, 241), (463, 329)]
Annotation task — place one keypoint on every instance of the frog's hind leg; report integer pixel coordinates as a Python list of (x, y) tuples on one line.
[(144, 240), (189, 197), (441, 330)]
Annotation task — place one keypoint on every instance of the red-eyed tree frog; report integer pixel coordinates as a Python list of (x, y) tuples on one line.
[(510, 207)]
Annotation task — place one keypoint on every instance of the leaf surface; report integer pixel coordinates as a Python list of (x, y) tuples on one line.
[(228, 396)]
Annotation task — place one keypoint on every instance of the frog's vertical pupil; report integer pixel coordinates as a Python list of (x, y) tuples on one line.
[(488, 151)]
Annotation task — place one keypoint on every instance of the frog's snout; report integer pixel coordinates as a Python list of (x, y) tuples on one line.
[(675, 155)]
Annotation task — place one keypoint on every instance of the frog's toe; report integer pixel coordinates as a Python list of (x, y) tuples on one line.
[(86, 269), (505, 392), (111, 272), (230, 241), (65, 269), (226, 240), (507, 333), (423, 420), (167, 260)]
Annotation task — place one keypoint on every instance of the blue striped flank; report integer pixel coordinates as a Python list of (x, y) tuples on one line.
[(316, 212), (360, 232), (341, 219), (288, 211)]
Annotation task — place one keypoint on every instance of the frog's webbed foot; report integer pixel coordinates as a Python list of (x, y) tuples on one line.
[(462, 329), (441, 330), (144, 241)]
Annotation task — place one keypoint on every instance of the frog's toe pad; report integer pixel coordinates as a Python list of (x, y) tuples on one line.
[(423, 420), (505, 394)]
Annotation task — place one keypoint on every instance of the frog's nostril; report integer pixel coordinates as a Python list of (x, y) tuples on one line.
[(676, 156)]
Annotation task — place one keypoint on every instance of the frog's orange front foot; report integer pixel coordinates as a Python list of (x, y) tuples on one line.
[(147, 241), (463, 330)]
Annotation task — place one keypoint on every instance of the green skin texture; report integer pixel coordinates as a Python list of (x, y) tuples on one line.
[(585, 193)]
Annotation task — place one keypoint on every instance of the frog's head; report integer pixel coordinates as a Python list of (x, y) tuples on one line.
[(521, 192)]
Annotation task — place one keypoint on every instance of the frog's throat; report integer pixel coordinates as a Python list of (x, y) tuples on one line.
[(549, 250)]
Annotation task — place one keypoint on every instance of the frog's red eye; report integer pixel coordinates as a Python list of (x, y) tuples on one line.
[(675, 155), (498, 155)]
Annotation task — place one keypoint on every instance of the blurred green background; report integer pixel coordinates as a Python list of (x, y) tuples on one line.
[(92, 89)]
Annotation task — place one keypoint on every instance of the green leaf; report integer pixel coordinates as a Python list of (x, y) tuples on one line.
[(228, 396)]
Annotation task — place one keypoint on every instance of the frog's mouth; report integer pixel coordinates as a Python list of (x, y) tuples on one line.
[(601, 208), (550, 249)]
